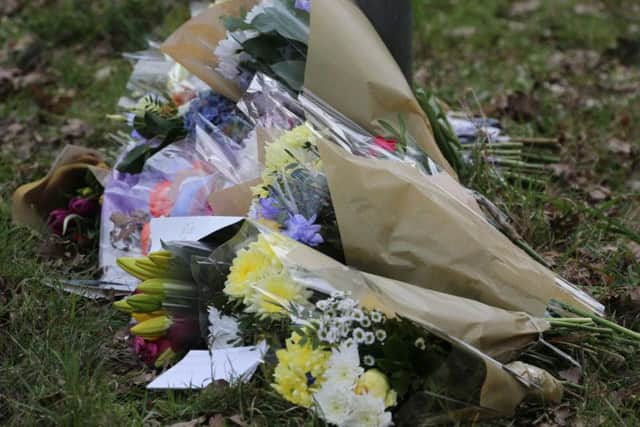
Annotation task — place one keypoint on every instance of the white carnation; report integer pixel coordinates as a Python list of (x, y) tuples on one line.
[(230, 54), (343, 367), (368, 411), (334, 404)]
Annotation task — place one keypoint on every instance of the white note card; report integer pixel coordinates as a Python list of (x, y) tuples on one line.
[(199, 368), (186, 228)]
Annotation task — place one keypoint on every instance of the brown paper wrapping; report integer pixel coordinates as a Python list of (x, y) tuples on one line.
[(350, 68), (496, 332), (233, 201), (397, 222), (480, 329), (236, 200), (32, 202), (193, 44)]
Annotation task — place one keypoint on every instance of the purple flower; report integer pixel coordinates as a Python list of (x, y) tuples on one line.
[(303, 230), (303, 5), (83, 207), (55, 222), (269, 209)]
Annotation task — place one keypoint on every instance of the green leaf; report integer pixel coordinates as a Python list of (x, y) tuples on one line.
[(292, 72), (134, 160), (232, 23), (284, 22), (265, 48)]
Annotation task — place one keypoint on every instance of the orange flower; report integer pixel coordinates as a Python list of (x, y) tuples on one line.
[(160, 202)]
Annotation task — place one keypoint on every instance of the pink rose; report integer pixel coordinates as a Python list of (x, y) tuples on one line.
[(148, 351), (387, 144), (55, 222), (83, 207), (184, 333)]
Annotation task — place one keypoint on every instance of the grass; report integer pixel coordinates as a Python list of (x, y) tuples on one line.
[(62, 360)]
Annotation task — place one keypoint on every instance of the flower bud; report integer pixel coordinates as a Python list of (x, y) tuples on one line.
[(55, 222), (376, 383), (83, 207)]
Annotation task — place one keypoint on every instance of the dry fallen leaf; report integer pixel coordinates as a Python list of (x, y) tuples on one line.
[(524, 6), (599, 194), (572, 375), (74, 128), (635, 250), (193, 423), (618, 146), (237, 419), (217, 421), (462, 32), (563, 170)]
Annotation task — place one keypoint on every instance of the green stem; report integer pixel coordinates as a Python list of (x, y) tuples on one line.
[(597, 319)]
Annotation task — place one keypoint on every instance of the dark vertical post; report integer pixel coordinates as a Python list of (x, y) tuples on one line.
[(393, 20)]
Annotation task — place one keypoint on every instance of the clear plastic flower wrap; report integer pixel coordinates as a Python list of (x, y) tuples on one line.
[(156, 74), (407, 346), (268, 103), (176, 181)]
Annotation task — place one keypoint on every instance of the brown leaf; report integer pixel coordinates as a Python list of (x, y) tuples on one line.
[(144, 377), (217, 421), (34, 78), (524, 6), (599, 193), (8, 77), (74, 128), (104, 73), (193, 423), (9, 7), (617, 146), (563, 170), (572, 374), (462, 32), (237, 419), (634, 248), (627, 301)]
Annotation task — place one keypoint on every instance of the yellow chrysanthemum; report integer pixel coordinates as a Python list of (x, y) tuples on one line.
[(286, 149), (273, 295), (271, 224), (300, 370), (249, 267)]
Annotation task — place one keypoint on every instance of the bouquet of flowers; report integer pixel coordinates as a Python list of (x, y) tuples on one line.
[(67, 201), (290, 41), (164, 322), (358, 348)]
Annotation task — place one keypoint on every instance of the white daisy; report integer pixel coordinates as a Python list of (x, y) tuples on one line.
[(369, 360), (369, 338), (376, 317), (381, 335), (420, 343), (365, 322), (359, 335)]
